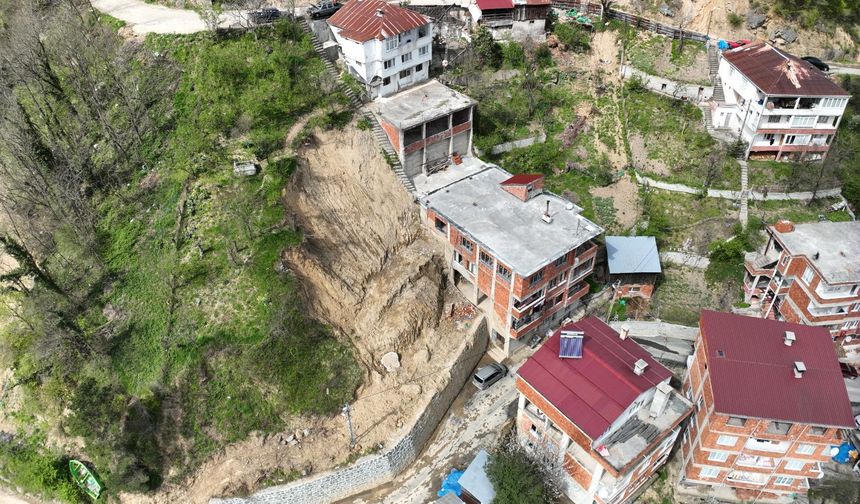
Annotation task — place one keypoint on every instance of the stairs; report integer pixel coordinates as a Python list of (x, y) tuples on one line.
[(356, 102), (713, 62), (719, 95), (744, 212)]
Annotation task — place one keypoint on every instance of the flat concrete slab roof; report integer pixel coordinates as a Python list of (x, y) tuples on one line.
[(836, 243), (426, 184), (419, 104), (510, 228)]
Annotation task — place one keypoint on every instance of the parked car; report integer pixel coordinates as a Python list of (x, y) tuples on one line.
[(849, 371), (817, 63), (488, 375), (265, 15), (324, 9)]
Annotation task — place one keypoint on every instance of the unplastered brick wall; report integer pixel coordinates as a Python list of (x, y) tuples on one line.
[(374, 470)]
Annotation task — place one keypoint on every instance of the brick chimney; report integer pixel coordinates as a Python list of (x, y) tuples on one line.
[(784, 226), (524, 186)]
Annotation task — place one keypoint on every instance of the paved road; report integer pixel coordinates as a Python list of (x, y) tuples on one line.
[(837, 69), (146, 18), (475, 421)]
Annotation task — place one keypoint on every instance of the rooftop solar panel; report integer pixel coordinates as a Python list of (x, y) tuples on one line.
[(571, 345)]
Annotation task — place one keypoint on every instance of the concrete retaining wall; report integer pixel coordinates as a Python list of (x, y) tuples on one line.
[(518, 144), (691, 92), (374, 470), (728, 194)]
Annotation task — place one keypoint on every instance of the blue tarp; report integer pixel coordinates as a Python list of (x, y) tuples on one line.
[(722, 45), (844, 454), (451, 485)]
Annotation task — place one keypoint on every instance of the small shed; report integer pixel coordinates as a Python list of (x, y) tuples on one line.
[(476, 486), (634, 263)]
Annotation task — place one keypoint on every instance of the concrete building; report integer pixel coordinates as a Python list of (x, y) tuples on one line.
[(385, 46), (518, 252), (430, 127), (809, 274), (517, 20), (634, 265), (783, 107), (603, 406), (770, 403)]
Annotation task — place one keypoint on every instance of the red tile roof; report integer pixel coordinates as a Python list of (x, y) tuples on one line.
[(495, 4), (359, 20), (776, 72), (594, 390), (523, 179), (754, 377)]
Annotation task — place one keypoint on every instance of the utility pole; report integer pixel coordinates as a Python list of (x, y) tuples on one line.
[(345, 413)]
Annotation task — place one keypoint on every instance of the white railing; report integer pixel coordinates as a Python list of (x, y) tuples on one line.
[(767, 446), (747, 477)]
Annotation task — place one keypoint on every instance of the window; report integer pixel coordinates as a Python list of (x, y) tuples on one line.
[(418, 67), (784, 260), (795, 465), (537, 277), (852, 324), (779, 428), (422, 31), (709, 472), (727, 440), (466, 244), (504, 272), (486, 258), (700, 403), (824, 119), (391, 43), (736, 421), (561, 260), (718, 456), (783, 480), (833, 102), (808, 274), (802, 121), (806, 449), (388, 63), (386, 81), (855, 307), (406, 57), (773, 119), (405, 73), (422, 51), (441, 226)]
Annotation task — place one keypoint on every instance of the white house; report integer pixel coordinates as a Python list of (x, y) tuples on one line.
[(385, 46), (782, 106)]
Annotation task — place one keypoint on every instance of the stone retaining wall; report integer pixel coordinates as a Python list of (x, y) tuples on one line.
[(374, 470)]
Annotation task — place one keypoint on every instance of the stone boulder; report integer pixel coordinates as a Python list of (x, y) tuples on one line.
[(666, 10), (390, 361), (755, 19), (786, 33)]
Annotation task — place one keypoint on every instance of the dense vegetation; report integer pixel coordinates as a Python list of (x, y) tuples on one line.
[(519, 477), (149, 314), (818, 13)]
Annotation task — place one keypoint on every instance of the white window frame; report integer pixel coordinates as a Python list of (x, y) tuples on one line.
[(423, 50), (718, 456), (709, 472), (406, 57), (808, 275), (783, 480), (794, 465), (806, 449), (802, 121), (723, 440), (851, 324), (391, 43), (389, 63)]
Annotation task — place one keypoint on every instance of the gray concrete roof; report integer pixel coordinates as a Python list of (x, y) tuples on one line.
[(632, 254), (475, 481), (837, 245), (419, 104), (510, 228)]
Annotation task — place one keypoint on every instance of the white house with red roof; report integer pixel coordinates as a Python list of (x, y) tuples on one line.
[(512, 19), (770, 404), (385, 46), (781, 106), (600, 403)]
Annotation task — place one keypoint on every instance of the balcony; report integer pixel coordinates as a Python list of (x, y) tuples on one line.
[(756, 461), (758, 263), (764, 445), (825, 291), (747, 477)]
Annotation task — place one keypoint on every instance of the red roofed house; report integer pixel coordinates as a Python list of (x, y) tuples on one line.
[(783, 107), (604, 406), (512, 19), (770, 401), (385, 46)]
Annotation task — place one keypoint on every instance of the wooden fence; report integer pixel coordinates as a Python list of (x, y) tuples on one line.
[(595, 9), (591, 9)]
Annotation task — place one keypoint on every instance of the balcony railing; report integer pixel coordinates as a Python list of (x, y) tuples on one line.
[(755, 461), (747, 477), (767, 446)]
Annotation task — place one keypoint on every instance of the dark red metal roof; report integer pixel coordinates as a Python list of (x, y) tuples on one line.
[(594, 390), (752, 370), (363, 20), (495, 4), (776, 72), (523, 179)]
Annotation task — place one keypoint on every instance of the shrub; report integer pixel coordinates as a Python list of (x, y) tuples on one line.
[(487, 50), (735, 20), (518, 478), (572, 36)]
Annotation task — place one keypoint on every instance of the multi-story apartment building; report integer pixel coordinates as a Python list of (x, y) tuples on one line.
[(770, 403), (603, 406), (809, 274), (781, 106), (385, 46), (520, 253), (429, 125)]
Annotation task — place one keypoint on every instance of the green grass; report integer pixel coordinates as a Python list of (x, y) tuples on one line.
[(111, 21), (797, 211), (27, 465)]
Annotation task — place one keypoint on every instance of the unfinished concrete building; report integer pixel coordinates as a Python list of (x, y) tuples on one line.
[(430, 127), (518, 252)]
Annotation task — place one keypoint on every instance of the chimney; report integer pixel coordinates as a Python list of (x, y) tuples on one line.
[(661, 399), (625, 331), (799, 369), (789, 338), (379, 12), (546, 216), (639, 367), (784, 226), (816, 256)]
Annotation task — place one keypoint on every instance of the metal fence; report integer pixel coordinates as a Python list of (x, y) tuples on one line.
[(595, 9)]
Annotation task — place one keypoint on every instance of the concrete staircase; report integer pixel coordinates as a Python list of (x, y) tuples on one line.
[(713, 62), (719, 95), (356, 101), (745, 193)]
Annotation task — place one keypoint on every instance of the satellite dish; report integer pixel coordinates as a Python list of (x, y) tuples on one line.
[(444, 63)]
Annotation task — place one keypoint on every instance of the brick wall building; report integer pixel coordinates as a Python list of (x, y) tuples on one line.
[(809, 274), (608, 416), (769, 403), (518, 252)]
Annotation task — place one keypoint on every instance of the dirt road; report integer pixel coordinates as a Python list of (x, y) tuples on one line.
[(146, 18), (7, 498)]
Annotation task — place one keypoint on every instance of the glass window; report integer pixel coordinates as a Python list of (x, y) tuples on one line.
[(423, 50), (561, 260), (388, 63), (718, 456), (504, 272), (405, 73), (795, 465), (386, 81), (709, 472), (727, 440), (783, 480), (419, 67), (406, 57), (466, 244), (808, 274), (806, 449), (391, 43), (486, 258), (537, 277), (441, 225)]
